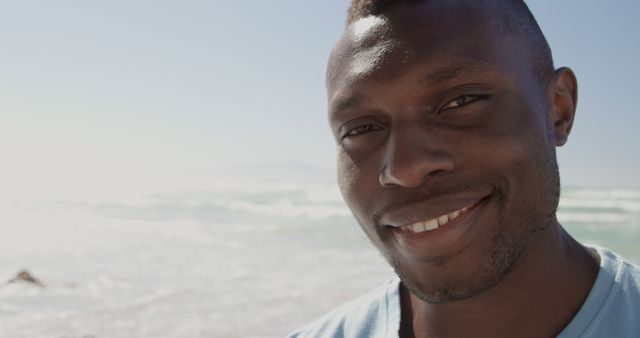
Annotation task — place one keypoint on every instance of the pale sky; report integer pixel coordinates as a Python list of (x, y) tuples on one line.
[(100, 93)]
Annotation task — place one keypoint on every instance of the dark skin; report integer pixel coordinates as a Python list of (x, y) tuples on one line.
[(431, 117)]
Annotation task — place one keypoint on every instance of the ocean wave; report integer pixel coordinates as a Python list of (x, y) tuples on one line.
[(289, 209), (594, 217), (589, 205), (602, 194), (313, 200)]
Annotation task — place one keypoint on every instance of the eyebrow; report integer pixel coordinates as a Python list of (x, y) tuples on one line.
[(448, 73), (432, 78), (345, 103)]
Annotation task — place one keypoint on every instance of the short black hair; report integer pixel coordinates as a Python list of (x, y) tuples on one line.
[(517, 17)]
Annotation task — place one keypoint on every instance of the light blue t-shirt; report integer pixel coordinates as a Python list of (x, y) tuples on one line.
[(612, 308)]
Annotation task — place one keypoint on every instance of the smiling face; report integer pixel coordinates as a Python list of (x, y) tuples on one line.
[(445, 152)]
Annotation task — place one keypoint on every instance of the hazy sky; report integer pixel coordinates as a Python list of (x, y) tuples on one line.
[(96, 93)]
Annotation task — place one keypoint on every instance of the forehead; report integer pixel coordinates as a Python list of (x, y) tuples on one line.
[(446, 39)]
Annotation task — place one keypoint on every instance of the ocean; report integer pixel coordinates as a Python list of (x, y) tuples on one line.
[(215, 259)]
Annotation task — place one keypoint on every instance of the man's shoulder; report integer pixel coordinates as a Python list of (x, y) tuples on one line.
[(625, 274), (620, 308), (371, 315), (612, 308)]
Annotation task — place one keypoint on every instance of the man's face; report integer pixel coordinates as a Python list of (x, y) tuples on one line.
[(440, 121)]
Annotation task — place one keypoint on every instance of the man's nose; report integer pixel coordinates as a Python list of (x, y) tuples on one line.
[(412, 158)]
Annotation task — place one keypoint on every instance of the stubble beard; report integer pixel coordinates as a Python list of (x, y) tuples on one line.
[(508, 244)]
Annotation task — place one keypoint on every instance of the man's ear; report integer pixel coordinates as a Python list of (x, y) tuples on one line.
[(563, 98)]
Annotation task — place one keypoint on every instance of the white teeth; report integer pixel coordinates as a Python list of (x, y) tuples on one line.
[(433, 224), (442, 220), (415, 227)]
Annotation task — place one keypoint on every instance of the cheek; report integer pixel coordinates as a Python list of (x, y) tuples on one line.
[(348, 174), (515, 138), (514, 157), (523, 159), (528, 146), (357, 185)]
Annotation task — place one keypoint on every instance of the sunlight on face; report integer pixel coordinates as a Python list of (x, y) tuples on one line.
[(363, 32), (366, 26)]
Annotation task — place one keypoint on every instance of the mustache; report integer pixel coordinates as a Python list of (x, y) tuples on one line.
[(425, 192)]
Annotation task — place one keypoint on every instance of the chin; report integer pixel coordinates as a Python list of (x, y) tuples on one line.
[(479, 267), (458, 288), (437, 285)]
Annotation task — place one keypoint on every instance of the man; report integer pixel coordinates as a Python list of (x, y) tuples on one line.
[(446, 116)]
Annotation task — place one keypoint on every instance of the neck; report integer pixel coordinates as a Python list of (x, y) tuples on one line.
[(538, 298)]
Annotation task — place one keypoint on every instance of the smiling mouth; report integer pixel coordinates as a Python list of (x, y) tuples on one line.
[(428, 225), (432, 224)]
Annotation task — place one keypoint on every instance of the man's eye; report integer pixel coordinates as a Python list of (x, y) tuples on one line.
[(463, 100), (362, 130)]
